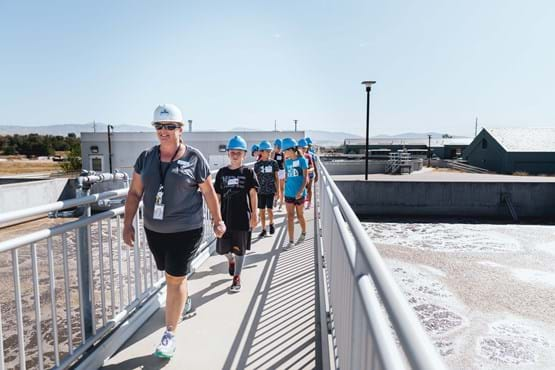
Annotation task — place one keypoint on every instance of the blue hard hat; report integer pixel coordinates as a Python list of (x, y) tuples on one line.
[(277, 142), (303, 143), (265, 145), (237, 143), (288, 143), (254, 148), (308, 140)]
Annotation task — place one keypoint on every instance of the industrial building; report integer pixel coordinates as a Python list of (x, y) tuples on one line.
[(380, 148), (123, 148), (510, 150)]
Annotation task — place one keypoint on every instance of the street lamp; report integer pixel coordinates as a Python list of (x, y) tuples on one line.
[(110, 131), (429, 150), (368, 85)]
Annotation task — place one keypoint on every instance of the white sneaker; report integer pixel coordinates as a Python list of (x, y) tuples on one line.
[(166, 348), (289, 246), (301, 238)]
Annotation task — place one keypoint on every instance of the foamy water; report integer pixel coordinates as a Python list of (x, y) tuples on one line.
[(459, 277)]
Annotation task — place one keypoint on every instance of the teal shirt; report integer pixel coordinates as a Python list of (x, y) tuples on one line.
[(295, 176)]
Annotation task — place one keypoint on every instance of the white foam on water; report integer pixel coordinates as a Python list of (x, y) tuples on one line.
[(439, 311), (535, 276), (516, 343), (469, 338), (548, 247), (444, 237)]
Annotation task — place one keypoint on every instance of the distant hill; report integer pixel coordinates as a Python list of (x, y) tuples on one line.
[(415, 135)]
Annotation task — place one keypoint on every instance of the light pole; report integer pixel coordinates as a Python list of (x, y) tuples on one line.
[(110, 130), (429, 150), (368, 85)]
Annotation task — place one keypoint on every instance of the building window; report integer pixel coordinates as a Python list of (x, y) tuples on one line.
[(96, 163), (484, 144), (222, 148)]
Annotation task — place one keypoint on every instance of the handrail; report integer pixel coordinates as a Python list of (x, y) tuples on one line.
[(364, 261), (87, 258)]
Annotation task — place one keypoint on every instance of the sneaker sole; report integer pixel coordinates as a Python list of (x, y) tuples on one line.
[(163, 355)]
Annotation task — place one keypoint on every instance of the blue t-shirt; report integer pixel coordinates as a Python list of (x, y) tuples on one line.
[(294, 180)]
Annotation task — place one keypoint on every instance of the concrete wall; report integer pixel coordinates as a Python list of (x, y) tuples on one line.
[(449, 199), (355, 167), (24, 195)]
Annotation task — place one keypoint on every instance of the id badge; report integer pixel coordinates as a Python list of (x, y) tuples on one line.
[(158, 212)]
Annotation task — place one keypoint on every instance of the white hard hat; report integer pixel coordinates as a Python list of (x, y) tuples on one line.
[(167, 113)]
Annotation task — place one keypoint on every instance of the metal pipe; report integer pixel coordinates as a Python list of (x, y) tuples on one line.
[(111, 261), (53, 300), (36, 299), (18, 310), (118, 231), (110, 129), (101, 266), (67, 294), (56, 206)]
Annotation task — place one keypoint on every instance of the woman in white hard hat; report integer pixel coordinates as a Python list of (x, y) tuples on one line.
[(167, 177)]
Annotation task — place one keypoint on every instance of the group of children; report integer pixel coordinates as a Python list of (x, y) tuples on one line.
[(283, 173)]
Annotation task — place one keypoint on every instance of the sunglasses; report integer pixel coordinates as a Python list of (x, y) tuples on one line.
[(171, 127)]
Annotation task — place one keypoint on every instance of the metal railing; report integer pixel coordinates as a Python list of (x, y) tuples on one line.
[(370, 323), (66, 287)]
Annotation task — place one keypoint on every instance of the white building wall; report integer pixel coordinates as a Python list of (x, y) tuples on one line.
[(126, 146)]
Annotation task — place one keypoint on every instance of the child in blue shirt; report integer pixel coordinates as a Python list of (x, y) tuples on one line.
[(296, 168)]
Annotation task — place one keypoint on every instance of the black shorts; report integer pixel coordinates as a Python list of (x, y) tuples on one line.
[(294, 201), (266, 201), (234, 241), (173, 252)]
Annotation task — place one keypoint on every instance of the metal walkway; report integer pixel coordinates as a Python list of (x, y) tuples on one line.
[(269, 324), (74, 297)]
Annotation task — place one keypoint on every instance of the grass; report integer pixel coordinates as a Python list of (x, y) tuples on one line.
[(14, 167)]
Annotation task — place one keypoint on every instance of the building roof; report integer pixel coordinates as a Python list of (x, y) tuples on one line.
[(524, 139)]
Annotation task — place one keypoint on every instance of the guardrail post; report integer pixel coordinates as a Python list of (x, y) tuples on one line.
[(85, 291)]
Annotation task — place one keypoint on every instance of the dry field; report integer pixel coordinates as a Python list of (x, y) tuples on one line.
[(19, 166)]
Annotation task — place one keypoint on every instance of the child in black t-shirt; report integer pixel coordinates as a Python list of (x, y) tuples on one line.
[(236, 186), (266, 170)]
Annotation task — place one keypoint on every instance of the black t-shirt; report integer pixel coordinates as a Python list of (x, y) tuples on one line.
[(278, 157), (234, 186), (265, 173)]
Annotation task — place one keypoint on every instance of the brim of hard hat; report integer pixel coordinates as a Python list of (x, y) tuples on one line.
[(176, 122), (243, 149)]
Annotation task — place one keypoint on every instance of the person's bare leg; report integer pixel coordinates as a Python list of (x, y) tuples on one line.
[(271, 216), (263, 218), (176, 296), (300, 217), (290, 220)]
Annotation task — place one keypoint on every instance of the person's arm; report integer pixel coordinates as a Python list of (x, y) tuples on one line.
[(131, 204), (253, 198), (301, 190), (276, 181), (212, 203), (315, 170)]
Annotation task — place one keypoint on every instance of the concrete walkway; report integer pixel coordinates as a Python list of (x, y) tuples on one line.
[(270, 324)]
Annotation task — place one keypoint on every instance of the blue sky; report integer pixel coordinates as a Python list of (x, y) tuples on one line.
[(438, 64)]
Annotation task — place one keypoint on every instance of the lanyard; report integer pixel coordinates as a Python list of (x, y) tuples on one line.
[(165, 172)]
